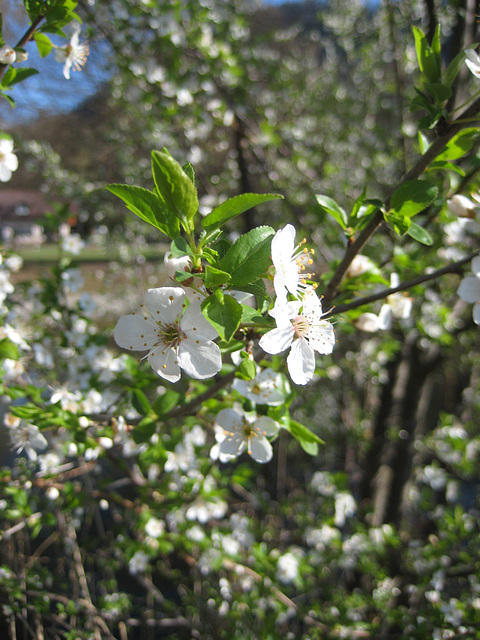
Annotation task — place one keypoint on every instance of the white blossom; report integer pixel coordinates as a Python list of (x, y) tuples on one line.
[(290, 263), (155, 527), (175, 336), (287, 568), (8, 160), (242, 431), (300, 325), (469, 289), (74, 54), (138, 562), (266, 388)]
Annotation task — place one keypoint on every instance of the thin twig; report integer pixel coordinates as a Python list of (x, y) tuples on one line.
[(450, 268), (415, 172)]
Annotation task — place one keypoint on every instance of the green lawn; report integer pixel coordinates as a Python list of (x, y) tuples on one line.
[(50, 252)]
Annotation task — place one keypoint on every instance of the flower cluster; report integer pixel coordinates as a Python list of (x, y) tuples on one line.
[(301, 325)]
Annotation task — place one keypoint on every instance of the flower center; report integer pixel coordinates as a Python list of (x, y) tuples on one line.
[(247, 429), (301, 326), (170, 334)]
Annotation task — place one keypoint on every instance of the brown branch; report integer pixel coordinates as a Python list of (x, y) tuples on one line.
[(453, 267), (415, 172)]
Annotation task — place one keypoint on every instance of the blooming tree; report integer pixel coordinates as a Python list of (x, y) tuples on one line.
[(128, 504)]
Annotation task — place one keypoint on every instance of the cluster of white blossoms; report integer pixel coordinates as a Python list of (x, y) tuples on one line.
[(301, 326), (173, 331)]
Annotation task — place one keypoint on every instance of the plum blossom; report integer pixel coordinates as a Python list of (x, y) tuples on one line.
[(267, 387), (74, 54), (469, 289), (242, 431), (473, 62), (300, 325), (8, 160), (290, 262), (175, 336), (25, 437)]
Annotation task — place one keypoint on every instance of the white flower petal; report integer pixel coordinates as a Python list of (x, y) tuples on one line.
[(229, 419), (385, 317), (469, 289), (194, 321), (322, 338), (260, 449), (267, 426), (476, 313), (134, 333), (277, 340), (476, 266), (368, 322), (166, 303), (199, 358), (473, 62), (165, 364), (301, 362), (233, 445)]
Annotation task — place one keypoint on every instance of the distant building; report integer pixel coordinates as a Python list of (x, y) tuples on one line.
[(21, 216)]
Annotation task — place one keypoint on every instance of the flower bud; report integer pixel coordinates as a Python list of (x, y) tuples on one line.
[(7, 55), (21, 55), (359, 265), (176, 264)]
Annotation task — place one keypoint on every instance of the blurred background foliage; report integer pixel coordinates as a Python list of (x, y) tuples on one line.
[(377, 535)]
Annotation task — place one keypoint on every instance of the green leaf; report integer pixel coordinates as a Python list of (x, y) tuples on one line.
[(439, 92), (175, 188), (166, 402), (249, 258), (419, 234), (459, 145), (22, 74), (44, 44), (190, 171), (140, 402), (400, 224), (215, 277), (412, 197), (234, 207), (454, 68), (180, 248), (9, 350), (147, 206), (224, 313), (144, 430), (429, 61), (308, 440), (442, 165), (332, 208), (252, 316), (247, 369)]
